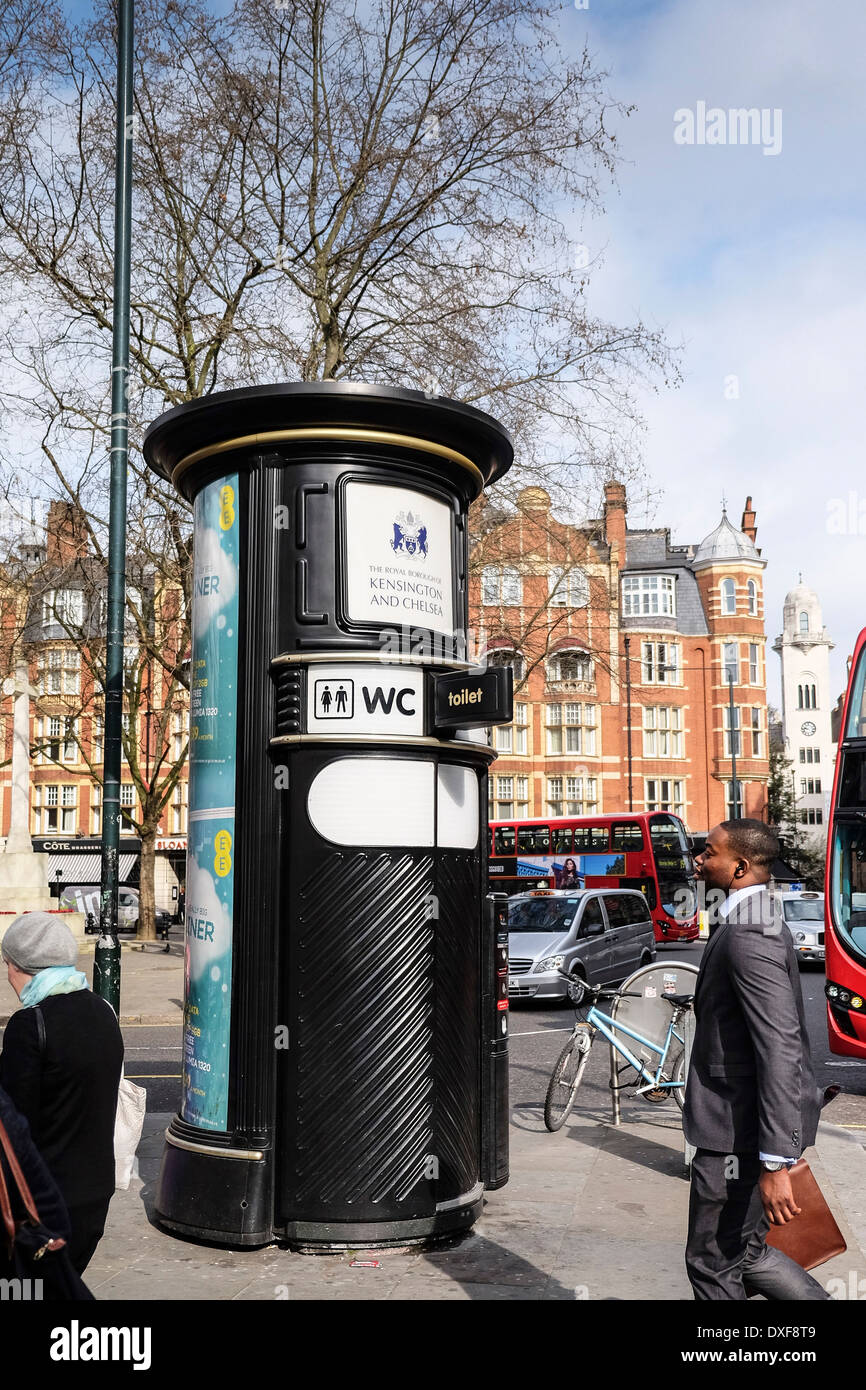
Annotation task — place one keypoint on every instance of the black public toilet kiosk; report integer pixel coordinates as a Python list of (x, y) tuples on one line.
[(345, 1025)]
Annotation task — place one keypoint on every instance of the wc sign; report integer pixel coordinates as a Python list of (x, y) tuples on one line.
[(360, 699)]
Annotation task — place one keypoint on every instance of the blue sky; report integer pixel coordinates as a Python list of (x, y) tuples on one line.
[(757, 264)]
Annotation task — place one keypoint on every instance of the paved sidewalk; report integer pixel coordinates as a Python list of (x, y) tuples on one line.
[(151, 982), (590, 1213)]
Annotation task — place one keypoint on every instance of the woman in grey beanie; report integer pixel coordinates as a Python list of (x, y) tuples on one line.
[(61, 1062)]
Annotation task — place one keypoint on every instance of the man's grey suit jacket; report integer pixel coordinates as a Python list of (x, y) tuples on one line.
[(751, 1087)]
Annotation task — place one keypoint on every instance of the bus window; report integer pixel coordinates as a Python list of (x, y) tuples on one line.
[(626, 836), (504, 839), (562, 840), (590, 837), (849, 885), (533, 839), (642, 885), (852, 780), (855, 724)]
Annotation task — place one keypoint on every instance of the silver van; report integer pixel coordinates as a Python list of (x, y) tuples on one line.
[(598, 934)]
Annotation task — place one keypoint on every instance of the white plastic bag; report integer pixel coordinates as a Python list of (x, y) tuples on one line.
[(128, 1124)]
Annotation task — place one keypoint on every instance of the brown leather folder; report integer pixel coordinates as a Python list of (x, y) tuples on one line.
[(813, 1236)]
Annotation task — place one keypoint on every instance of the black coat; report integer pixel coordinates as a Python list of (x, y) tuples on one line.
[(68, 1093), (751, 1087), (43, 1188)]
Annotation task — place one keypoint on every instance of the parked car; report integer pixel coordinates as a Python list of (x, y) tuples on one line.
[(599, 935), (84, 897), (804, 915)]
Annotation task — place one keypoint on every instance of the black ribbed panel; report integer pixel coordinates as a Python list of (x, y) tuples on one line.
[(359, 1082), (458, 1024), (259, 809), (287, 683)]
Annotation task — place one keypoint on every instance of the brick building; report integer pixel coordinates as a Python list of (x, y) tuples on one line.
[(598, 619), (52, 602)]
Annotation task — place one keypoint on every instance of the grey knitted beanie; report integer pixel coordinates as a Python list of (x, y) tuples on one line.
[(36, 940)]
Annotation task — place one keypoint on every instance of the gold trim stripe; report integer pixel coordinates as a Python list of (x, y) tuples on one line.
[(251, 1155), (334, 434)]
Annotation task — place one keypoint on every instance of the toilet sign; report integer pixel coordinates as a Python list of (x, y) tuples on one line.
[(358, 698), (472, 701)]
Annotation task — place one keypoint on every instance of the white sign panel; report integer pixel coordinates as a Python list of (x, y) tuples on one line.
[(356, 698), (398, 558)]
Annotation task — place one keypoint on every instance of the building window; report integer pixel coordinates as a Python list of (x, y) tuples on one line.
[(811, 817), (804, 622), (55, 808), (570, 666), (665, 794), (127, 805), (647, 595), (572, 796), (59, 671), (179, 808), (179, 735), (734, 808), (64, 607), (95, 810), (807, 697), (753, 598), (506, 656), (754, 669), (727, 716), (730, 663), (513, 738), (661, 663), (568, 588), (509, 797), (662, 731), (756, 731), (810, 786), (97, 739), (728, 591), (571, 728), (501, 586)]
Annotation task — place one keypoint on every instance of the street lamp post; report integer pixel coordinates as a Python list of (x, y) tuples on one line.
[(627, 640), (735, 791), (106, 960)]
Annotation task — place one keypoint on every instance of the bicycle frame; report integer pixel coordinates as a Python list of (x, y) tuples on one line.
[(600, 1021)]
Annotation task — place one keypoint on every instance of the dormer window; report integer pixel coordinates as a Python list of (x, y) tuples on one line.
[(728, 591), (648, 595)]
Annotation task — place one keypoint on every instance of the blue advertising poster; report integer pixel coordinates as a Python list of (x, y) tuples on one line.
[(571, 872), (211, 843)]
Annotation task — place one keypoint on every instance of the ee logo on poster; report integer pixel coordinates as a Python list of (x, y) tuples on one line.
[(222, 853), (227, 507)]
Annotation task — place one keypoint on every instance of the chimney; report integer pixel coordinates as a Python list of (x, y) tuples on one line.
[(747, 524), (65, 534), (615, 508)]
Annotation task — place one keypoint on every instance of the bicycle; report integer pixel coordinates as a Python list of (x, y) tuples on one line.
[(571, 1065)]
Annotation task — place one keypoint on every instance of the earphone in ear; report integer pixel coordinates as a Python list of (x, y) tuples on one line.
[(738, 872)]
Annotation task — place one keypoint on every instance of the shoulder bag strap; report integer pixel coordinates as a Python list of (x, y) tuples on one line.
[(17, 1175), (6, 1212), (40, 1028)]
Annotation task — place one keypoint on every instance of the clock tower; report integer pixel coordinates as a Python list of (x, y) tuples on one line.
[(804, 649)]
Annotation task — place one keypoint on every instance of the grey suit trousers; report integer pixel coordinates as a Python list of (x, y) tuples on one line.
[(726, 1257)]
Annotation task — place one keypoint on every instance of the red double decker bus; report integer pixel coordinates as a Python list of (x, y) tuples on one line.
[(845, 890), (647, 850)]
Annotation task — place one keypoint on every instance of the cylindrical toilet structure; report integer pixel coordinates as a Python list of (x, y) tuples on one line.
[(345, 1026)]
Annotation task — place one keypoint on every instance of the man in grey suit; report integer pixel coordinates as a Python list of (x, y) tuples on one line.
[(751, 1103)]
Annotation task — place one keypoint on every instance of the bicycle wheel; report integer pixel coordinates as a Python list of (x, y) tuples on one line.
[(565, 1080)]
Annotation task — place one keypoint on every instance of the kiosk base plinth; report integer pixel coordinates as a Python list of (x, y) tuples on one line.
[(209, 1196), (321, 1237)]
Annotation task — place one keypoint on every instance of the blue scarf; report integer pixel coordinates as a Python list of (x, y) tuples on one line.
[(54, 979)]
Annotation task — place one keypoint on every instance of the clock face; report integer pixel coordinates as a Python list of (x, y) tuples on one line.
[(808, 728)]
